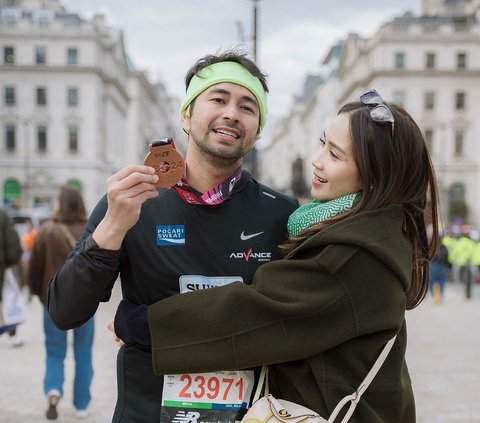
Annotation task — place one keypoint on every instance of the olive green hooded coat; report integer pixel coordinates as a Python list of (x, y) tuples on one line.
[(321, 318)]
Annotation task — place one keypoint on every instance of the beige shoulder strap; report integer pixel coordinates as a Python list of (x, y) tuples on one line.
[(353, 398), (70, 238)]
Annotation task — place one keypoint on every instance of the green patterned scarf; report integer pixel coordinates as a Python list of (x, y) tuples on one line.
[(318, 211)]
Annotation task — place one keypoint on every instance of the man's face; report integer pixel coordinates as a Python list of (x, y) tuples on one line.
[(224, 122)]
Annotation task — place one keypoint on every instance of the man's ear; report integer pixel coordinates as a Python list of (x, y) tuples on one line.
[(259, 135), (186, 120)]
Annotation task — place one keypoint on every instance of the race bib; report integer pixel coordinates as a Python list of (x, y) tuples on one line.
[(206, 397), (188, 283), (220, 397)]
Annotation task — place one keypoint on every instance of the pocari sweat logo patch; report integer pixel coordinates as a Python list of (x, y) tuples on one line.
[(171, 235)]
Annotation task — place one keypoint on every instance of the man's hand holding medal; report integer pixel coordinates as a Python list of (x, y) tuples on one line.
[(129, 188)]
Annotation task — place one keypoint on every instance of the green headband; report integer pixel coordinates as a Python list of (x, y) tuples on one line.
[(227, 72)]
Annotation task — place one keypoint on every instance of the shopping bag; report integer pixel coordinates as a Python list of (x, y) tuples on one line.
[(13, 302)]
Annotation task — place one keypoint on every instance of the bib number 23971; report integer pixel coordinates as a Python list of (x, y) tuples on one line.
[(206, 397)]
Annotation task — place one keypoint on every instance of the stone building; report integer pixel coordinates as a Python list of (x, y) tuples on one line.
[(430, 64), (73, 110)]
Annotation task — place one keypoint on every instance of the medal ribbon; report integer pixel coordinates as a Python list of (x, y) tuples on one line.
[(216, 195)]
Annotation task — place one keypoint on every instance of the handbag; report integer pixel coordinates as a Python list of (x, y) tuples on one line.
[(13, 305), (269, 409)]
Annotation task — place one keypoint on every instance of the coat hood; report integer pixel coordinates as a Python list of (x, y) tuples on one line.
[(371, 230)]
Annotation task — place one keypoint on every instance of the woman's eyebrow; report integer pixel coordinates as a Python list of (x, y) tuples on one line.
[(333, 144)]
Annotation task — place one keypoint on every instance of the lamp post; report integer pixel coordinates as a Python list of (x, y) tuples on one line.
[(250, 160), (26, 165), (255, 24)]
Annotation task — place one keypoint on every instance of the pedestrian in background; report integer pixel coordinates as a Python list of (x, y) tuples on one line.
[(10, 255), (475, 258), (55, 240), (460, 253), (438, 274), (28, 239)]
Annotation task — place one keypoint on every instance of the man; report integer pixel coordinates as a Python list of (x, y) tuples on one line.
[(217, 226)]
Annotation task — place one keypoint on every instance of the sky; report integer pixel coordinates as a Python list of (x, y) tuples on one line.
[(165, 37)]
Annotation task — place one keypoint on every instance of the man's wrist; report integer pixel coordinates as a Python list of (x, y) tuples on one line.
[(106, 237)]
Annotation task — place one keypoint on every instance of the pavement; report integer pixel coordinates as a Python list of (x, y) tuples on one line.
[(443, 356)]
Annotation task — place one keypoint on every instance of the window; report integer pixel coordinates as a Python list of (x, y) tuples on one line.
[(72, 96), (72, 139), (429, 100), (430, 24), (72, 56), (43, 16), (10, 136), (9, 96), (429, 139), (41, 96), (71, 21), (430, 61), (42, 138), (460, 100), (456, 202), (460, 23), (12, 4), (398, 97), (40, 55), (399, 60), (461, 60), (459, 141), (9, 55)]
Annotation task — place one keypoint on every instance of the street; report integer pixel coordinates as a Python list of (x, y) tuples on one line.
[(443, 355)]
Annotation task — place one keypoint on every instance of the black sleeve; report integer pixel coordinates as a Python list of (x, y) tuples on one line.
[(86, 278), (13, 247), (131, 323)]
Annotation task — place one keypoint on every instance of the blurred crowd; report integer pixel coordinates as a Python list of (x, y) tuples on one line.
[(457, 260), (32, 252)]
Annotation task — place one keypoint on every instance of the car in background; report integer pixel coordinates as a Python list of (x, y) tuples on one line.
[(22, 217)]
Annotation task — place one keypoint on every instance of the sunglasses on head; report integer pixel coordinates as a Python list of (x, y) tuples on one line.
[(380, 113)]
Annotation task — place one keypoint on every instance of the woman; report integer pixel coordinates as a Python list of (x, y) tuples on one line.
[(53, 243), (356, 259)]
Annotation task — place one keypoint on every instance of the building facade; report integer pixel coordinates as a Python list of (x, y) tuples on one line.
[(429, 64), (72, 109)]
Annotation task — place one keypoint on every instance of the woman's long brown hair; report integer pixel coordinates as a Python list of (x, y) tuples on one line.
[(395, 170), (70, 208)]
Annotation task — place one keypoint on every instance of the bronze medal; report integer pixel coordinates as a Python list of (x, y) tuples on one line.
[(167, 162)]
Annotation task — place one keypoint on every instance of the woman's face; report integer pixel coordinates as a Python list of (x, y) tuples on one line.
[(334, 170)]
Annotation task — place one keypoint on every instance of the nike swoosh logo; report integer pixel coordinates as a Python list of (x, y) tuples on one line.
[(244, 237)]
